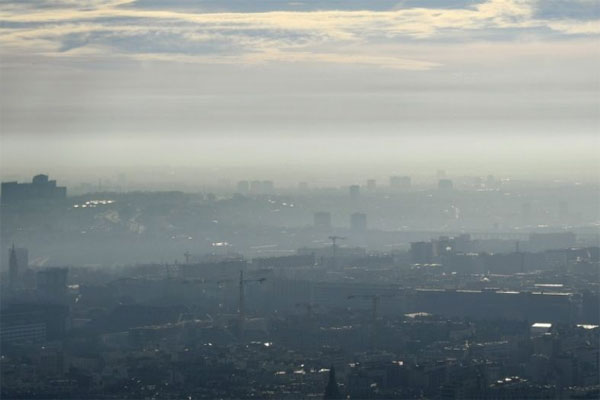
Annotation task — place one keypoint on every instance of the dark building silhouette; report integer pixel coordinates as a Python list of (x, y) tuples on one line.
[(39, 188), (32, 323), (421, 252), (18, 261), (52, 285), (332, 391)]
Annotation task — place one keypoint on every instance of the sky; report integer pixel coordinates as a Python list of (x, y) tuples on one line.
[(314, 87)]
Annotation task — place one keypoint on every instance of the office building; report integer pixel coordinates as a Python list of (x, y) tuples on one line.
[(40, 188)]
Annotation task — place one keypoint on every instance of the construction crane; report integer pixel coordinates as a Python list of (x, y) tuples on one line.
[(334, 240), (241, 305), (241, 300)]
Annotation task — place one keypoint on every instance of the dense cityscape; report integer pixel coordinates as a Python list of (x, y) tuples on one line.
[(302, 292), (302, 199)]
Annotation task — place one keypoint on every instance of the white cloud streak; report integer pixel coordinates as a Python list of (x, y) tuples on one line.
[(65, 28)]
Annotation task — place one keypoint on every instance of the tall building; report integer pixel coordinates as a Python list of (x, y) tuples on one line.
[(354, 191), (332, 391), (358, 222), (322, 220), (400, 182), (445, 184), (39, 188), (52, 285), (371, 184)]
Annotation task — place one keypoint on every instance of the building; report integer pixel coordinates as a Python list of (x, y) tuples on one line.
[(322, 220), (22, 325), (445, 184), (551, 240), (421, 252), (354, 191), (40, 188), (400, 182), (18, 261), (52, 285), (33, 322), (358, 222), (262, 187), (371, 184)]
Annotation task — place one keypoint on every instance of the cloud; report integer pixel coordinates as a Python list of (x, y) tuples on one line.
[(271, 31)]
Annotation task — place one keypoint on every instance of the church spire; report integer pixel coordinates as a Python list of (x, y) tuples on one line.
[(332, 390), (13, 266)]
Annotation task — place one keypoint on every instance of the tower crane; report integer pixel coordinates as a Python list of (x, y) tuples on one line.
[(241, 305), (334, 240)]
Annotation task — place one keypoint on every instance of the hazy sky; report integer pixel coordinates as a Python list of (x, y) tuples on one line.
[(469, 86)]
